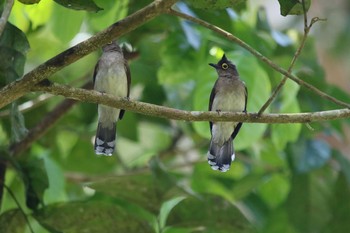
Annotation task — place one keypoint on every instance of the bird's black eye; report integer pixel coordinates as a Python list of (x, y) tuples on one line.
[(224, 66)]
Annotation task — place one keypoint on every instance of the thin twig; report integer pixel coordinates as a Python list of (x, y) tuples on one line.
[(264, 59), (5, 15), (295, 57), (92, 96)]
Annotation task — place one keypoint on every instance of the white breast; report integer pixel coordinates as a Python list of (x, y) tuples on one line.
[(231, 101), (111, 79)]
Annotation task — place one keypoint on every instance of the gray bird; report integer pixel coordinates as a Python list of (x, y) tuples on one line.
[(111, 76), (228, 94)]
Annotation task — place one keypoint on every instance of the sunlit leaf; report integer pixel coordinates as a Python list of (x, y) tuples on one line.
[(60, 28), (284, 133), (112, 12)]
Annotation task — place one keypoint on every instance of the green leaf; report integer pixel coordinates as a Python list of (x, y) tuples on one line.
[(213, 5), (91, 216), (281, 134), (13, 49), (340, 204), (310, 154), (113, 11), (12, 221), (35, 180), (276, 186), (60, 28), (293, 7), (307, 201), (86, 5), (210, 214), (166, 208), (138, 189)]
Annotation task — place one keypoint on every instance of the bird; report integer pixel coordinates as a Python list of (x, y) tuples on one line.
[(111, 76), (228, 94)]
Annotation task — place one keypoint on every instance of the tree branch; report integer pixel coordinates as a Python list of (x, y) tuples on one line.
[(5, 15), (92, 96), (18, 88), (264, 59), (44, 125)]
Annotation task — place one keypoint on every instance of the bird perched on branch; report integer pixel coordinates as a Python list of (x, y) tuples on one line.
[(111, 76), (228, 94)]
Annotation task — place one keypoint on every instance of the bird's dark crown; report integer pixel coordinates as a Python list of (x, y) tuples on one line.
[(225, 66), (111, 46)]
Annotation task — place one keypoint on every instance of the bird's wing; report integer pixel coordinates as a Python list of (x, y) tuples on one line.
[(239, 125), (95, 71), (128, 76), (211, 100)]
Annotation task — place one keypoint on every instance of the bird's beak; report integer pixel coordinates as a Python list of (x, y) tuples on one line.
[(214, 65)]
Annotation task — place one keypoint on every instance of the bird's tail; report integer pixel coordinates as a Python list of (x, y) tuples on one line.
[(220, 157), (105, 139)]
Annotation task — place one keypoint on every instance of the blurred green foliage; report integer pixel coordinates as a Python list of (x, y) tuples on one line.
[(286, 178)]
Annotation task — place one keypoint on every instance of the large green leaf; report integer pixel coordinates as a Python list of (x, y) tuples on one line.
[(13, 48), (166, 209), (113, 11), (307, 201), (340, 205), (63, 31), (75, 217), (12, 221), (309, 154), (35, 179), (293, 7), (283, 133), (210, 214)]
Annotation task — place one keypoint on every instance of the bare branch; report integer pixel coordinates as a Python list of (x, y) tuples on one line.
[(44, 125), (92, 96), (5, 15), (18, 88), (244, 45)]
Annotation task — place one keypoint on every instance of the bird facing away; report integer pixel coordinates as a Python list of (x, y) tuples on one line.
[(228, 94), (111, 76)]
